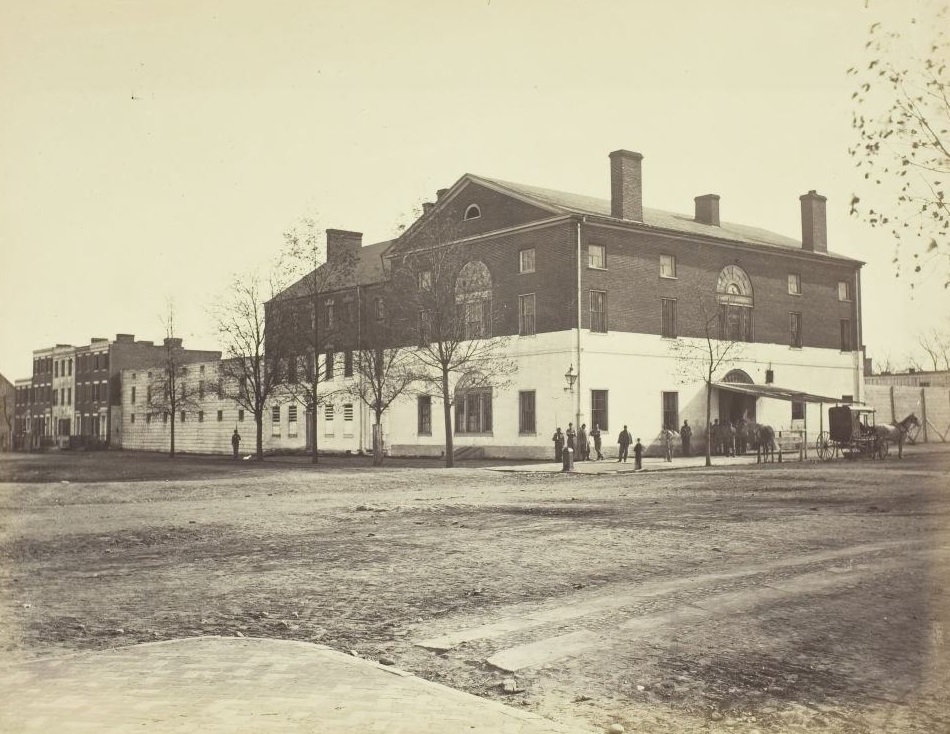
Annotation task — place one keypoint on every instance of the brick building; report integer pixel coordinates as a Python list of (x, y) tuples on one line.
[(599, 289), (8, 406)]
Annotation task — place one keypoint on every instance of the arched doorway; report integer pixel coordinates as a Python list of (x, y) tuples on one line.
[(734, 406)]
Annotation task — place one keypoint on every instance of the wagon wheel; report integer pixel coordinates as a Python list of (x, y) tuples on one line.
[(912, 432), (883, 448), (824, 447)]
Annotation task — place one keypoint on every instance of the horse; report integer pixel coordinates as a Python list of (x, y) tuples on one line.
[(896, 432), (764, 439)]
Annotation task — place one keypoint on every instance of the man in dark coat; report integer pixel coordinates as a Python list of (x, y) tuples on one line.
[(235, 442), (571, 437), (624, 440), (558, 439), (637, 455), (686, 433)]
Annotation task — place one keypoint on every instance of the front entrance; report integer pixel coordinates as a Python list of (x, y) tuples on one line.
[(734, 406)]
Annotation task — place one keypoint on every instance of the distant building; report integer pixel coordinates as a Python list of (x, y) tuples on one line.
[(911, 378), (71, 395), (7, 413)]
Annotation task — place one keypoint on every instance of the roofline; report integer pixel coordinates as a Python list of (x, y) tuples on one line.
[(613, 223)]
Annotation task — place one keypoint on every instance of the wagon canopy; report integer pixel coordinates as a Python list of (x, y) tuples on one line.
[(775, 392)]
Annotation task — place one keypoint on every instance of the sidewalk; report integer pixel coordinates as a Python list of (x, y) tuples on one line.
[(612, 466), (223, 685)]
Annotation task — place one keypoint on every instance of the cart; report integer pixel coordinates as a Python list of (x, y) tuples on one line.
[(852, 434)]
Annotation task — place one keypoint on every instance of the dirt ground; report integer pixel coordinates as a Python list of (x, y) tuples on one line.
[(792, 597)]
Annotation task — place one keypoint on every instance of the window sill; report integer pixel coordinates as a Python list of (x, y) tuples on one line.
[(525, 272), (595, 267), (486, 435), (528, 434), (668, 277), (528, 335), (794, 348), (669, 338), (792, 293), (427, 435), (603, 333)]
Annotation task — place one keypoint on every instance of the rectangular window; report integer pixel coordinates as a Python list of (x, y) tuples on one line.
[(526, 412), (70, 363), (292, 421), (424, 413), (668, 318), (844, 290), (598, 311), (132, 418), (425, 280), (69, 396), (56, 369), (164, 417), (425, 330), (597, 257), (348, 419), (526, 263), (182, 419), (328, 420), (526, 325), (798, 411), (275, 421), (133, 395), (473, 412), (241, 415), (795, 330), (671, 410), (201, 416), (795, 284), (379, 307), (348, 363), (148, 418), (328, 361), (476, 318), (598, 409), (220, 416), (201, 390), (667, 266), (845, 335), (328, 314)]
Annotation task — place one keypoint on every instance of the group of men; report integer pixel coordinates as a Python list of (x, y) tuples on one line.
[(728, 439), (579, 442)]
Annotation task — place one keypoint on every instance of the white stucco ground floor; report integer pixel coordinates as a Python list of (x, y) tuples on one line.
[(618, 380)]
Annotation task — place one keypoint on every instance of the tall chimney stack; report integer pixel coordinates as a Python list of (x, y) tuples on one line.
[(626, 185), (707, 209), (814, 222), (343, 244)]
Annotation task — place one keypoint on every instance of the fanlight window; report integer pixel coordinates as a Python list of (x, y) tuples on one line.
[(473, 288), (734, 294), (473, 212)]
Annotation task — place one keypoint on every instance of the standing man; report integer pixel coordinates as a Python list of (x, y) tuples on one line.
[(716, 434), (558, 439), (686, 433), (624, 440), (595, 434), (571, 437), (583, 452), (668, 434), (638, 455), (235, 442)]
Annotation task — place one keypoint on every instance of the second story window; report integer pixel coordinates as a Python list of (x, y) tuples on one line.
[(380, 309), (795, 330), (425, 280), (526, 326), (329, 315), (795, 284), (667, 266), (598, 311), (668, 318), (526, 264), (844, 291), (597, 257)]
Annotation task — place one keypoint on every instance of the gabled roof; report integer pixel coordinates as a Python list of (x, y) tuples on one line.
[(569, 203), (369, 269)]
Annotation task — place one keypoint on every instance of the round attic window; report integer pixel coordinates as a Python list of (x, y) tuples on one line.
[(473, 212)]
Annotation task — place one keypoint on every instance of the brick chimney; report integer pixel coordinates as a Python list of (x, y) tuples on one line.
[(427, 206), (814, 222), (343, 244), (707, 209), (440, 193), (626, 185)]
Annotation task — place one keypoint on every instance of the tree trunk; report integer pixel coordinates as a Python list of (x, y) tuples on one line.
[(708, 428), (259, 420), (171, 453), (447, 414), (378, 440), (313, 413)]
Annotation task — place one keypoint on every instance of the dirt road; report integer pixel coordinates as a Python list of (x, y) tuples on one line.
[(793, 597)]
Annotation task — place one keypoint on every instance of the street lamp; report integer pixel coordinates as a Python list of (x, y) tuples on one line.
[(570, 377)]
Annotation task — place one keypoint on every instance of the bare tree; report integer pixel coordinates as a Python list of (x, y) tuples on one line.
[(446, 309), (709, 356), (253, 346), (310, 314), (902, 120), (168, 391), (936, 345)]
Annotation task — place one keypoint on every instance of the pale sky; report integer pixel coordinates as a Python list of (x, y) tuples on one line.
[(151, 150)]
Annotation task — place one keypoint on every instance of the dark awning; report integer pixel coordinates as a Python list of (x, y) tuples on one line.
[(774, 392)]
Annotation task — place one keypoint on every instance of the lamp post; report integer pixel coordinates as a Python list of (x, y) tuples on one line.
[(570, 377)]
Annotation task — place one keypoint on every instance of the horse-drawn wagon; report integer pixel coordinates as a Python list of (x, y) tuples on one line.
[(852, 433)]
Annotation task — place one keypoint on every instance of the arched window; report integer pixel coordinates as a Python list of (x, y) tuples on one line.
[(473, 212), (738, 376), (734, 294), (473, 299)]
